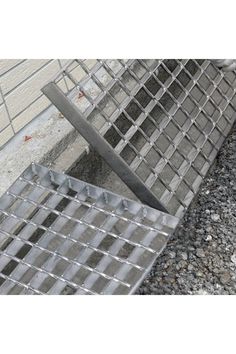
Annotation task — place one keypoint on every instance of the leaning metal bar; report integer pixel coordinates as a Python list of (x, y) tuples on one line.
[(70, 111)]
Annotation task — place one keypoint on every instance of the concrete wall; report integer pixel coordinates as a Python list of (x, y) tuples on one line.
[(20, 97)]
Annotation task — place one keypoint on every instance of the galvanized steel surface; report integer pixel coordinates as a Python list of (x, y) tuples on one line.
[(162, 122), (59, 235)]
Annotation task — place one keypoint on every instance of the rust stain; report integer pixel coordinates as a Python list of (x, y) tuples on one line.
[(27, 137), (81, 94)]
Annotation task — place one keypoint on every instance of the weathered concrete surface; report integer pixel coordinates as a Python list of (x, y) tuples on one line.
[(50, 135)]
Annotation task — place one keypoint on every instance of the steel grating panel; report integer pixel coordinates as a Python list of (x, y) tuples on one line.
[(158, 123), (59, 235)]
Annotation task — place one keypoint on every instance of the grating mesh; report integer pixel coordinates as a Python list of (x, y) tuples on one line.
[(59, 235), (165, 119)]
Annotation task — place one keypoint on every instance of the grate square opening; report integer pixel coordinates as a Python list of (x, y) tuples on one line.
[(180, 117), (153, 86), (158, 188), (191, 67), (107, 106), (163, 144), (143, 171), (199, 162), (138, 141), (167, 103), (167, 174), (171, 64), (143, 98), (189, 106), (205, 83), (212, 72), (128, 154), (183, 78), (148, 127), (194, 133), (163, 75), (133, 110), (129, 81), (171, 130), (224, 86), (176, 90), (229, 112), (118, 93), (153, 157)]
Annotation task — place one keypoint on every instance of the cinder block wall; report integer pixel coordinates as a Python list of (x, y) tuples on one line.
[(20, 97)]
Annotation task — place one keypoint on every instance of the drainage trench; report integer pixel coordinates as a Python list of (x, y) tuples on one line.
[(91, 168)]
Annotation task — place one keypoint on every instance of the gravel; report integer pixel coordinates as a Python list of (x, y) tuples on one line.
[(200, 258)]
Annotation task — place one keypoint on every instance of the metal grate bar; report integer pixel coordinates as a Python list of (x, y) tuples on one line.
[(59, 235), (158, 123)]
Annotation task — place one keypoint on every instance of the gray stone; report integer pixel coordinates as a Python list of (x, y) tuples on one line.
[(208, 239), (200, 253), (233, 258), (172, 254), (225, 278), (215, 217), (184, 256)]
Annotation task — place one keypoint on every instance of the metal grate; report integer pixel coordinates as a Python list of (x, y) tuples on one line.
[(158, 123), (59, 235)]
